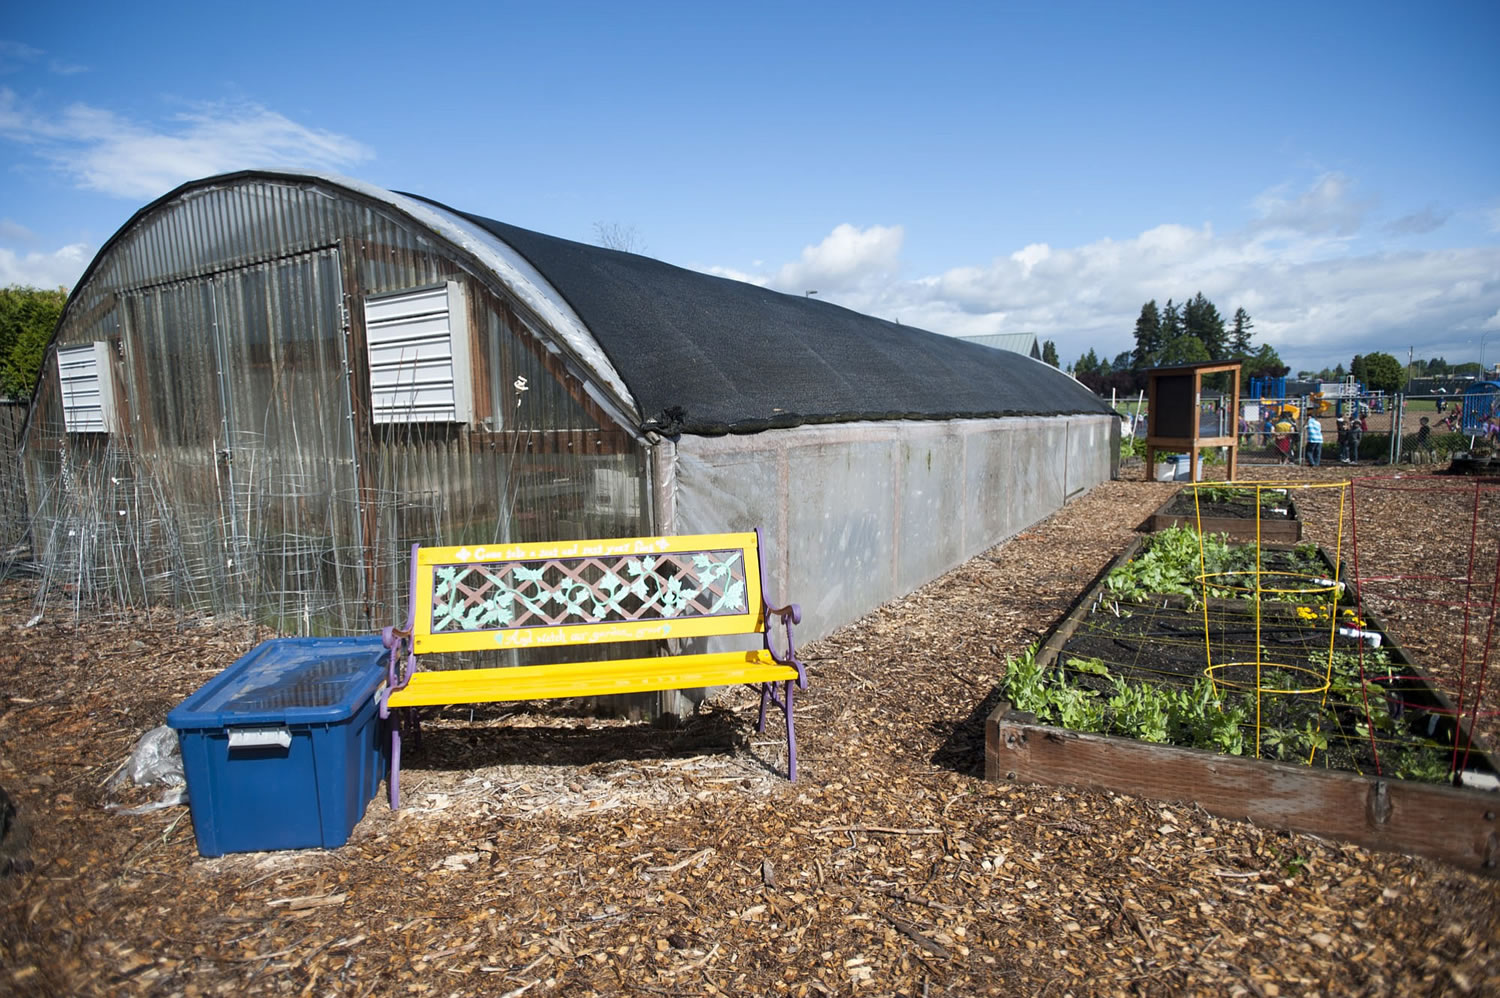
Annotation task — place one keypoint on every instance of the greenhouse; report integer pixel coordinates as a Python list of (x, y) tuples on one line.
[(267, 386)]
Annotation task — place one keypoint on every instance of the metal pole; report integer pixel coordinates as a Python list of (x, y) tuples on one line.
[(1398, 420), (1302, 437)]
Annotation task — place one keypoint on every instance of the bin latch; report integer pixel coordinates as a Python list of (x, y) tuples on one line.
[(278, 736)]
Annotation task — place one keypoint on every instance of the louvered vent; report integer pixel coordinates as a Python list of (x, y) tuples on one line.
[(87, 392), (419, 356)]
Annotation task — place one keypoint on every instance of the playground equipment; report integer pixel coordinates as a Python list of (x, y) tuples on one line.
[(1276, 409), (1481, 403)]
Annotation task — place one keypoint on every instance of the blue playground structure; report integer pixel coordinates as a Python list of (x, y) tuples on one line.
[(1481, 402), (1267, 388)]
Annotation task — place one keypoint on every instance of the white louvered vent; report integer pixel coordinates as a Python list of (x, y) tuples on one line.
[(87, 391), (419, 356)]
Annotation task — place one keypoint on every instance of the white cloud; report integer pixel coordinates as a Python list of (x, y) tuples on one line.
[(1314, 291), (15, 56), (1418, 223), (103, 151), (738, 275), (1325, 209), (15, 232), (59, 268), (843, 260)]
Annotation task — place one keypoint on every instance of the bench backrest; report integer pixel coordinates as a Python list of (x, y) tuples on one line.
[(483, 597)]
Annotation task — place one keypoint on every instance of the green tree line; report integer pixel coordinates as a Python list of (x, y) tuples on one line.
[(1435, 367), (27, 318), (1193, 332)]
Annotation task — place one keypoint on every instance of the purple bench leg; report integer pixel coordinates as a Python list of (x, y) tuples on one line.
[(784, 701), (395, 780), (791, 736)]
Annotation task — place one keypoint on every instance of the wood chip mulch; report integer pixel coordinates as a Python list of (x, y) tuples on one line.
[(542, 852)]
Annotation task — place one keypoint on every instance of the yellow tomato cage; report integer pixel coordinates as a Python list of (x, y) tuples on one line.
[(1321, 591)]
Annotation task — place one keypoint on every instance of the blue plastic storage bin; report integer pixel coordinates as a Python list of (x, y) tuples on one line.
[(283, 749)]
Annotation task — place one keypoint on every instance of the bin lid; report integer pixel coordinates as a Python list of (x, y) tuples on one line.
[(289, 681)]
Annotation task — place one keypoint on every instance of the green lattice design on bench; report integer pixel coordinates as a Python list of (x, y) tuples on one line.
[(516, 594)]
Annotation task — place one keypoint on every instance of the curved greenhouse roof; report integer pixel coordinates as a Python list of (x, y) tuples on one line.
[(693, 353), (705, 354)]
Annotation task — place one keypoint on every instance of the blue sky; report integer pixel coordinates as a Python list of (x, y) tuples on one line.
[(1332, 168)]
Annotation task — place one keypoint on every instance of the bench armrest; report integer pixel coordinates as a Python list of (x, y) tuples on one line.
[(399, 641), (400, 665), (788, 615)]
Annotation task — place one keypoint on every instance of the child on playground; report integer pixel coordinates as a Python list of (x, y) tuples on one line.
[(1350, 453), (1424, 438), (1283, 444)]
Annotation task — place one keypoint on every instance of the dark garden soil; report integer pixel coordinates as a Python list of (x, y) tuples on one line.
[(1164, 646), (544, 853), (1183, 505)]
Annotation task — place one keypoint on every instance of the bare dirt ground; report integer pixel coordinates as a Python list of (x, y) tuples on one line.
[(545, 853)]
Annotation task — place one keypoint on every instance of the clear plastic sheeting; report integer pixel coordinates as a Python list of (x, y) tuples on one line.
[(247, 479), (854, 515), (155, 761)]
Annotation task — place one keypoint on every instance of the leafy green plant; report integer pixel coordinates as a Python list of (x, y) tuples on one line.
[(1230, 494), (1092, 666), (1416, 764), (1211, 716), (1140, 711), (1311, 739), (1077, 710), (1026, 683), (1169, 564), (1291, 863), (1281, 741), (1200, 716)]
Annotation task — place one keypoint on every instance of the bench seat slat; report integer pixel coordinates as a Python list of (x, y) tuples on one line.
[(546, 682)]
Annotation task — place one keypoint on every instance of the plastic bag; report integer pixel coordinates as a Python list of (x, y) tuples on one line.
[(155, 760)]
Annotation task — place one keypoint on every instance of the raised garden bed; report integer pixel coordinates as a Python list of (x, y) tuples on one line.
[(1275, 717), (1231, 510)]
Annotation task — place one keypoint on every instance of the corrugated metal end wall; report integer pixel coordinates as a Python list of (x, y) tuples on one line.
[(248, 475)]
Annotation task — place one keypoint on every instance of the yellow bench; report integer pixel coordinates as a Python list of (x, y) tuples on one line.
[(569, 593)]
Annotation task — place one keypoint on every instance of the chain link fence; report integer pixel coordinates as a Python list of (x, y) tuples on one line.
[(1432, 431), (1422, 431)]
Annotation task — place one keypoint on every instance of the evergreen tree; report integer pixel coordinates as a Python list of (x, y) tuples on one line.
[(1202, 320), (1121, 361), (1087, 364), (1148, 339), (1049, 353), (1239, 333), (1171, 322), (1357, 370)]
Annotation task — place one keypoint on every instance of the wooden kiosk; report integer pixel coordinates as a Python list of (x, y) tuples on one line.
[(1175, 421)]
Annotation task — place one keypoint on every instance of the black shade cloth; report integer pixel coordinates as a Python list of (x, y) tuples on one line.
[(705, 355)]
